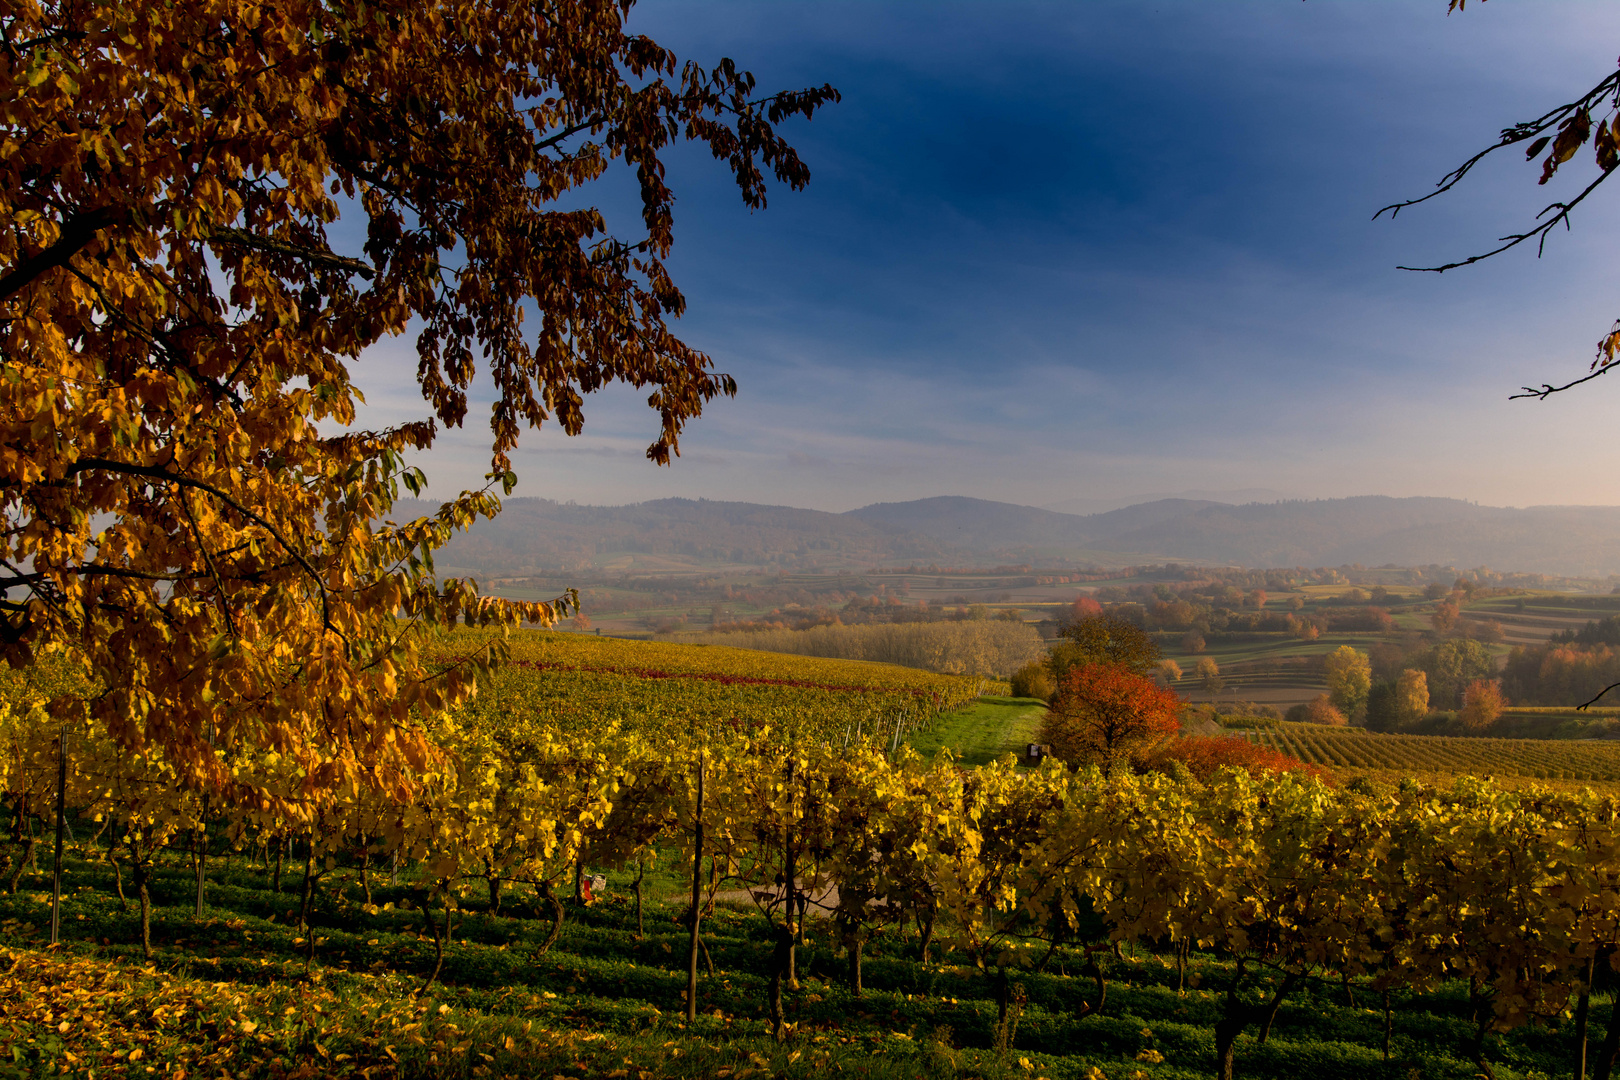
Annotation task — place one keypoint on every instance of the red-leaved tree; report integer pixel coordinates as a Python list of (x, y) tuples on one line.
[(1103, 713)]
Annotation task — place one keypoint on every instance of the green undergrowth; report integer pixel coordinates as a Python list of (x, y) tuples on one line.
[(985, 730), (605, 1001)]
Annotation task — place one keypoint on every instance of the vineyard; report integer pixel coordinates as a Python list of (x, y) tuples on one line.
[(789, 891), (584, 685), (1357, 748)]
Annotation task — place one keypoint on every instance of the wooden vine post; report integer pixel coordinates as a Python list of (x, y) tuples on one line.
[(697, 888), (61, 824)]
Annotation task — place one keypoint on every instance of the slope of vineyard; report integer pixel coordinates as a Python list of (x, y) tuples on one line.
[(1357, 748), (444, 927), (228, 994), (583, 684), (1207, 886)]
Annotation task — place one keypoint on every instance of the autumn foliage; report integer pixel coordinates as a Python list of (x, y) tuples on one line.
[(191, 513), (1321, 710), (1482, 703), (1202, 756), (1102, 714)]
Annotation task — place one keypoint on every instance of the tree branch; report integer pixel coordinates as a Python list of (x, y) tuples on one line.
[(76, 233), (1547, 389), (156, 473), (320, 257), (1516, 239), (1510, 136)]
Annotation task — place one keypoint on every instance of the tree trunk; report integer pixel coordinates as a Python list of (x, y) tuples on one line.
[(438, 942), (697, 913), (309, 884), (143, 894), (61, 823), (857, 946), (781, 968), (1610, 1047), (22, 863), (1582, 1009), (1479, 1047), (927, 938), (1233, 1020), (1269, 1013), (635, 887), (1387, 1026), (118, 871), (1089, 1007), (579, 881), (550, 896), (365, 868), (199, 846), (281, 851), (1227, 1029), (306, 910)]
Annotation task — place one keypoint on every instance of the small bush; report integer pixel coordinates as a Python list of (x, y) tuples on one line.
[(1321, 710), (1033, 681)]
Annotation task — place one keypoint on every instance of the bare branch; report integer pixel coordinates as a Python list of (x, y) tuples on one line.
[(1518, 238), (1518, 133), (1594, 701), (1546, 389)]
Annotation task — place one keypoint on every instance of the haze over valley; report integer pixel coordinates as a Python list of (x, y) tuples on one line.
[(539, 536)]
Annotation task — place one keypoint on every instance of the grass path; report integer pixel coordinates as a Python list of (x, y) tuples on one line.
[(985, 730)]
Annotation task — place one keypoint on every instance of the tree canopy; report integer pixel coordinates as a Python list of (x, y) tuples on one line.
[(1104, 638), (214, 207)]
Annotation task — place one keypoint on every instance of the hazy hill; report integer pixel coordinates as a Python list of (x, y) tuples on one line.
[(1375, 530), (976, 524), (537, 535), (1091, 504)]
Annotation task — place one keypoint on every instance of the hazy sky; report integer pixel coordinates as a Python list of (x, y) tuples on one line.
[(1099, 250)]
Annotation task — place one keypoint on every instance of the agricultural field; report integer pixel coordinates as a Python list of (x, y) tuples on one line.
[(242, 991), (1531, 618), (458, 935), (1350, 751), (583, 684)]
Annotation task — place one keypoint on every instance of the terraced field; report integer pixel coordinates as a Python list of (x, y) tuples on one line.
[(1531, 620)]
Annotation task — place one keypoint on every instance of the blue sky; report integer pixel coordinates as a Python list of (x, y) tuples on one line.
[(1099, 251)]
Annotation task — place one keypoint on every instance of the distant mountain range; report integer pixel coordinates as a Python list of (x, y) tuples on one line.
[(1233, 496), (535, 536)]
